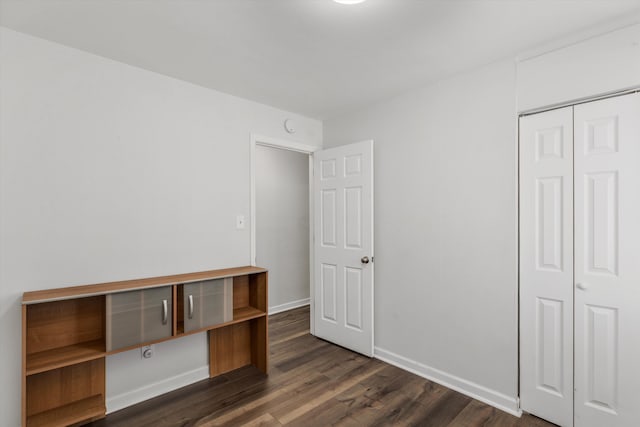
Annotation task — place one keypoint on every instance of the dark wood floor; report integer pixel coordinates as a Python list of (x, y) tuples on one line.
[(314, 383)]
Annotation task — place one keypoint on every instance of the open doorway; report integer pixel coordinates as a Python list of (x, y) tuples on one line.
[(340, 258), (281, 218)]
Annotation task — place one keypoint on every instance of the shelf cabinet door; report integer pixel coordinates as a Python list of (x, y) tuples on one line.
[(136, 317), (207, 303), (156, 313)]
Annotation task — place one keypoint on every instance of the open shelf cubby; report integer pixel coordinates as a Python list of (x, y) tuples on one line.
[(244, 342), (67, 395), (62, 333)]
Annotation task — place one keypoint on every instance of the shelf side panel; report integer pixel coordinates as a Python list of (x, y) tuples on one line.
[(23, 403), (229, 348), (260, 343)]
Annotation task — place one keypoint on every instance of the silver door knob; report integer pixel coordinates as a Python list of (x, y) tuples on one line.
[(364, 260), (582, 286)]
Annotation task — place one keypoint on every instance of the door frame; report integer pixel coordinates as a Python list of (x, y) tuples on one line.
[(283, 144)]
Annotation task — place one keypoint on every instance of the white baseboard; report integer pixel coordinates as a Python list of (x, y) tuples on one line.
[(121, 401), (490, 397), (288, 306)]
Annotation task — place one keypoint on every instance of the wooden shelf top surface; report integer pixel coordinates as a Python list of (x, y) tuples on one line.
[(246, 313), (71, 413), (126, 285), (65, 356)]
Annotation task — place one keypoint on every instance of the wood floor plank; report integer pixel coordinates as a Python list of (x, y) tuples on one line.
[(367, 412), (445, 409), (314, 383), (334, 389), (326, 414), (284, 338), (253, 406), (475, 414)]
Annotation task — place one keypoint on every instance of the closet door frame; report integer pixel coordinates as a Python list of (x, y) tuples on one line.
[(582, 413)]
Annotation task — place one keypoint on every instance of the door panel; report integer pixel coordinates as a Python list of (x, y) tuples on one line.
[(353, 284), (343, 237), (207, 303), (329, 294), (546, 265), (353, 217), (156, 313), (136, 317), (550, 350), (601, 217), (192, 303), (607, 264), (601, 357), (124, 324), (217, 301), (549, 223), (328, 218)]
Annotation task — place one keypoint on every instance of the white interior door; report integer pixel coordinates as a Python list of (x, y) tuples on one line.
[(607, 264), (343, 246), (546, 265)]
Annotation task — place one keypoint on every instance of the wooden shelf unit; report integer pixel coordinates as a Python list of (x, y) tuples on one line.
[(64, 341)]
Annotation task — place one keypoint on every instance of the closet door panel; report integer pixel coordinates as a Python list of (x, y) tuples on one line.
[(546, 265), (607, 264)]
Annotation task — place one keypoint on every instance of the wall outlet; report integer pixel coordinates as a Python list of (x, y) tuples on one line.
[(146, 352)]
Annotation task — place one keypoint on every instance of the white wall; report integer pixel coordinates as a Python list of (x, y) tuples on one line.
[(602, 64), (282, 224), (445, 229), (110, 172)]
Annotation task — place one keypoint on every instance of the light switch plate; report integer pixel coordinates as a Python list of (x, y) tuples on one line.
[(240, 222)]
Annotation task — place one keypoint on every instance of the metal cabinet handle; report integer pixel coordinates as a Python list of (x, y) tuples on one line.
[(165, 311), (190, 306)]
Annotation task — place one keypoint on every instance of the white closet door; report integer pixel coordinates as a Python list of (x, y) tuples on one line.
[(607, 264), (546, 265)]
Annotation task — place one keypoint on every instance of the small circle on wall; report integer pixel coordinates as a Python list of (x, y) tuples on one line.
[(289, 126)]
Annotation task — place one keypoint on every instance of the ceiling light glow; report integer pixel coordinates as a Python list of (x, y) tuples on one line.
[(348, 1)]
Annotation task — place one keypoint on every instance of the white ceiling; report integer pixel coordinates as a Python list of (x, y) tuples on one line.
[(314, 57)]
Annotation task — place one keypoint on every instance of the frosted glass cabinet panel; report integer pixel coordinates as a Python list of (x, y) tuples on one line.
[(207, 303), (136, 317)]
